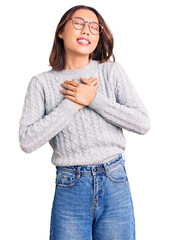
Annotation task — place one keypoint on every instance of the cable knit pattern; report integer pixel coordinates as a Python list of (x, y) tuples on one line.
[(91, 135)]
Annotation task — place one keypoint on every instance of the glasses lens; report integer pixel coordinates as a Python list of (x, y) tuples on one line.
[(78, 23), (95, 28)]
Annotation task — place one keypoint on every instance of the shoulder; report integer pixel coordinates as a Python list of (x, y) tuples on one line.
[(42, 75), (40, 78), (111, 68)]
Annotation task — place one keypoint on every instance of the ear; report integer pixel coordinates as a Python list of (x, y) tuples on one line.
[(60, 34)]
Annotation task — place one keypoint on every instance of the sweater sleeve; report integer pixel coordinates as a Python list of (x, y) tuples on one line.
[(36, 128), (128, 111)]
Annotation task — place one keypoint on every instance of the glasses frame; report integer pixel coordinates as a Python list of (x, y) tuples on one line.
[(72, 18)]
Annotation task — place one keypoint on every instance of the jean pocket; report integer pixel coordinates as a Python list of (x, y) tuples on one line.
[(66, 179), (117, 172)]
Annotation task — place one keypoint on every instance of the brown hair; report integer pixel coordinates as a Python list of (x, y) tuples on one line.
[(102, 52)]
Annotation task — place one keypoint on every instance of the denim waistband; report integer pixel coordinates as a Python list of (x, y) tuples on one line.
[(88, 168)]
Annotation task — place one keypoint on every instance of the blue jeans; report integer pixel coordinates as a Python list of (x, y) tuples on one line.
[(92, 202)]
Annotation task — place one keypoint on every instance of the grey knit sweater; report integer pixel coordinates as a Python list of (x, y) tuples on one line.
[(91, 135)]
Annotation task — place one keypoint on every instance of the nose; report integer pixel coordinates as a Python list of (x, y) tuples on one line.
[(86, 29)]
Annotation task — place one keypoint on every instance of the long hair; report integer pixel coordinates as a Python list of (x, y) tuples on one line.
[(102, 52)]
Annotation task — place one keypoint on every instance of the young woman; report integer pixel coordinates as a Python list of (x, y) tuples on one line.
[(80, 107)]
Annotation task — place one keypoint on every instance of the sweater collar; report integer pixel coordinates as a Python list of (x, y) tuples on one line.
[(77, 71)]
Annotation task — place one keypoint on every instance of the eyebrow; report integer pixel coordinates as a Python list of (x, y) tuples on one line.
[(86, 20)]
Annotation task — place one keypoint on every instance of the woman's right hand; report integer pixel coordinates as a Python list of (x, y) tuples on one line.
[(95, 82)]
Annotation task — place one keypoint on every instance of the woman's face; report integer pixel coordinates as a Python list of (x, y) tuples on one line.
[(70, 34)]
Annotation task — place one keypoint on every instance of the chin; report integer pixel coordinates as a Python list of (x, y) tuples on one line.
[(83, 52)]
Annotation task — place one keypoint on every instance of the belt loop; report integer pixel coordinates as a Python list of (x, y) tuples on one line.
[(105, 170), (78, 172)]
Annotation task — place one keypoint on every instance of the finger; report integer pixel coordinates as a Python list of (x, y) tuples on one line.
[(96, 85), (74, 83), (91, 78), (87, 80), (84, 80), (70, 97), (95, 80), (68, 92), (68, 86)]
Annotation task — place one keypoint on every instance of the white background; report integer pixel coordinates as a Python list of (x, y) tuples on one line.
[(27, 181)]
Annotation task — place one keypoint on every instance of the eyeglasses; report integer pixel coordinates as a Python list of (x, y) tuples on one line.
[(79, 23)]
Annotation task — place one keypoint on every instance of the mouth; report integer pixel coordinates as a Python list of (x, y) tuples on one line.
[(83, 41)]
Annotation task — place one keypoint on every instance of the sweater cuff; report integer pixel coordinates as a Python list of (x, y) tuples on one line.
[(67, 106), (99, 102)]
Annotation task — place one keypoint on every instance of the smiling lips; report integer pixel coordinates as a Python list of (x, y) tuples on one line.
[(83, 41)]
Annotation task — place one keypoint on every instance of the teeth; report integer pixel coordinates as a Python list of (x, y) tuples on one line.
[(84, 41)]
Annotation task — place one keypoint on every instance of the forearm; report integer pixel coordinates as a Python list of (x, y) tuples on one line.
[(134, 119), (41, 131)]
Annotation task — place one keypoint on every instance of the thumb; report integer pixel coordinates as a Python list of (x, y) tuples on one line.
[(84, 80), (87, 81)]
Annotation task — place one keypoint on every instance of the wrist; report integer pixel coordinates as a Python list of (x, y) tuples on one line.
[(93, 98)]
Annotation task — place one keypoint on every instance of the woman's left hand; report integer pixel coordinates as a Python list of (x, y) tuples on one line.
[(79, 92)]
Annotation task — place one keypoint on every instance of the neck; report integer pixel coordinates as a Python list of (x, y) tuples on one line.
[(76, 62)]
